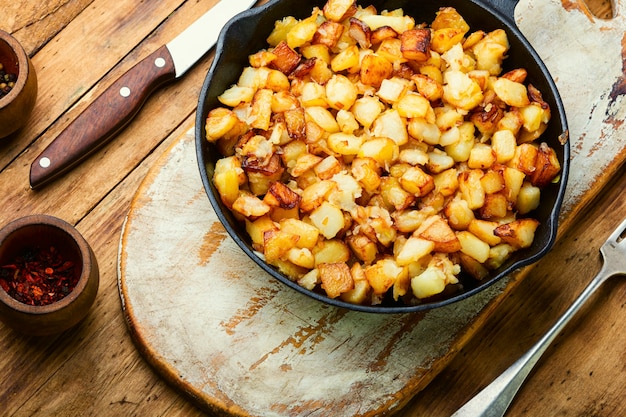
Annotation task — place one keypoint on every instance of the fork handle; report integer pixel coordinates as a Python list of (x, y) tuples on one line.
[(495, 398)]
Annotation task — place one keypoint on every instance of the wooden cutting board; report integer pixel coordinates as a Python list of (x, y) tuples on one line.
[(240, 343)]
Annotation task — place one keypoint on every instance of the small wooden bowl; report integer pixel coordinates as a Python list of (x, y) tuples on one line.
[(17, 106), (39, 232)]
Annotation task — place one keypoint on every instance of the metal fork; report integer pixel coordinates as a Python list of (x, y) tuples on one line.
[(495, 398)]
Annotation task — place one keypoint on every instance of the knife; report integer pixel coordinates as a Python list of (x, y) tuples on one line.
[(120, 102)]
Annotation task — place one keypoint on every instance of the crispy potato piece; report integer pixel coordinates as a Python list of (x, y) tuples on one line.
[(286, 58), (519, 233), (338, 10), (279, 195), (547, 166), (360, 32), (374, 69), (336, 278), (328, 34), (416, 44), (438, 231)]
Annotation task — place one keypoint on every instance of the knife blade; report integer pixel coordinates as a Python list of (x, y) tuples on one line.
[(121, 101)]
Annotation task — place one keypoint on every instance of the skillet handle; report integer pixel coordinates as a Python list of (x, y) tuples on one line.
[(505, 7)]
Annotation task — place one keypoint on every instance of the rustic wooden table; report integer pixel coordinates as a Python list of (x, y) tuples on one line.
[(80, 46)]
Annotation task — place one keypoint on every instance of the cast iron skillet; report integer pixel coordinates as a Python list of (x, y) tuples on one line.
[(246, 34)]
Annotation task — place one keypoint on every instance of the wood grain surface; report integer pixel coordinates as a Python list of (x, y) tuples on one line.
[(78, 48)]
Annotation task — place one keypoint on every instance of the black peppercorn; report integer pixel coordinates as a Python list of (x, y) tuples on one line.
[(7, 81)]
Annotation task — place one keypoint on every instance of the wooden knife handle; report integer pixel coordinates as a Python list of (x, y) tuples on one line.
[(103, 118)]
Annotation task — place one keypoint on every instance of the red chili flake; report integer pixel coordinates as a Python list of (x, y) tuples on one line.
[(38, 277)]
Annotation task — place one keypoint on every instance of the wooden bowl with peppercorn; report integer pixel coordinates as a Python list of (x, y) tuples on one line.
[(49, 275), (18, 85)]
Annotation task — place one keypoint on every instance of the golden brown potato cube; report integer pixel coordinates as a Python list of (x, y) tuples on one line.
[(279, 195), (482, 156), (503, 143), (413, 105), (360, 32), (391, 125), (413, 250), (528, 198), (361, 291), (296, 123), (328, 218), (525, 158), (394, 194), (323, 118), (511, 92), (345, 143), (307, 233), (289, 269), (437, 230), (338, 10), (301, 257), (347, 122), (492, 181), (471, 188), (315, 194), (286, 58), (547, 166), (449, 17), (392, 89), (491, 50), (374, 69), (250, 206), (236, 95), (381, 149), (487, 117), (363, 247), (321, 72), (396, 21), (277, 81), (228, 176), (261, 111), (439, 161), (260, 177), (495, 206), (484, 230), (417, 182), (302, 32), (408, 221), (428, 87), (383, 274), (513, 181), (257, 228), (367, 172), (219, 122), (473, 246), (444, 39), (459, 214), (341, 93), (424, 131), (381, 34), (331, 251), (460, 151), (284, 101), (447, 182), (517, 75), (416, 44), (511, 120), (313, 94), (328, 167), (281, 28), (519, 233), (305, 162), (366, 109), (348, 59), (498, 255), (461, 91), (328, 34)]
